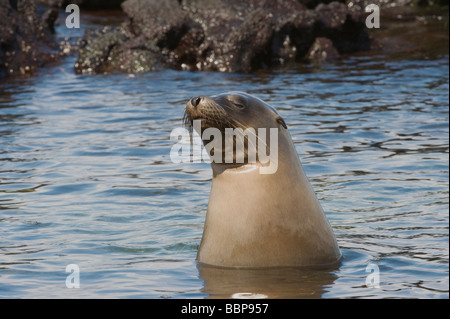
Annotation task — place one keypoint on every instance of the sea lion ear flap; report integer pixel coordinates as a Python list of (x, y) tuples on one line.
[(282, 122)]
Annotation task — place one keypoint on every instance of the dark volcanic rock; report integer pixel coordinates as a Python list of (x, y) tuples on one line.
[(85, 4), (386, 4), (311, 4), (26, 39), (149, 40), (321, 50), (219, 35), (344, 27)]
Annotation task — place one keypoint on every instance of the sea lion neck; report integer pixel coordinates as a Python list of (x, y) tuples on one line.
[(220, 168)]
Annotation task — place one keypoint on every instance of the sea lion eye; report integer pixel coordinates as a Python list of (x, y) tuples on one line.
[(238, 105)]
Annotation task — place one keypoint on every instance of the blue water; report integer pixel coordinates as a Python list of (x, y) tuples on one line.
[(86, 179)]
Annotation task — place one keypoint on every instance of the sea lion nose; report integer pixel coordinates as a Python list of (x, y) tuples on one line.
[(195, 101)]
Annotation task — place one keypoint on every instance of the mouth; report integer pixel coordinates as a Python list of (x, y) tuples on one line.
[(190, 115)]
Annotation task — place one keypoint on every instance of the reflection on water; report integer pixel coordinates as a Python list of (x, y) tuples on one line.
[(86, 179), (286, 283)]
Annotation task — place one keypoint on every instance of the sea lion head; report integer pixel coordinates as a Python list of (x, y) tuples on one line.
[(233, 110)]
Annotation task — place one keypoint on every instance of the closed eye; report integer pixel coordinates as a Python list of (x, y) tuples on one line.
[(236, 101)]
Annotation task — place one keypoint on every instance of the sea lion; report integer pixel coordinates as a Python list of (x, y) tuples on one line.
[(253, 219)]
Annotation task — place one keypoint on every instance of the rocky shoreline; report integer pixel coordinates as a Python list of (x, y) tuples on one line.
[(27, 39), (196, 35)]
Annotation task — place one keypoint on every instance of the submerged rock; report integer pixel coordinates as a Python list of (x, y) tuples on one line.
[(217, 35), (26, 38)]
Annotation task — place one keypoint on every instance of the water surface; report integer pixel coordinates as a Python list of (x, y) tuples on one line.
[(86, 179)]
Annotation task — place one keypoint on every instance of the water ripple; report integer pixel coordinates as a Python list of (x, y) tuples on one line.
[(86, 178)]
